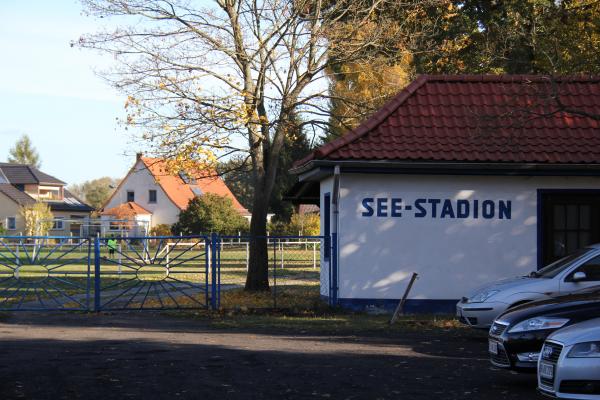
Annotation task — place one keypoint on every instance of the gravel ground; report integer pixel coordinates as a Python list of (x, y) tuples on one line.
[(156, 356)]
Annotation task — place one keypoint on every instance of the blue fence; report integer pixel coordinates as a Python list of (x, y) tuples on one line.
[(48, 273), (153, 273)]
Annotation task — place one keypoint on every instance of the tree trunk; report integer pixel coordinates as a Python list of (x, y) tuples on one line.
[(258, 268), (265, 161)]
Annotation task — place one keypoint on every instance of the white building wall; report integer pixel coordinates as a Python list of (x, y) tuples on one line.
[(82, 218), (8, 208), (140, 181), (452, 256)]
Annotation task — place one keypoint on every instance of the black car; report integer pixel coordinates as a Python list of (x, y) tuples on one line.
[(516, 336)]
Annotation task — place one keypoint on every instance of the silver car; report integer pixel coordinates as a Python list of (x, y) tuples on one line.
[(569, 364), (569, 274)]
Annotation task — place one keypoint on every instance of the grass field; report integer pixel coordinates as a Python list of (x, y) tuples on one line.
[(61, 276)]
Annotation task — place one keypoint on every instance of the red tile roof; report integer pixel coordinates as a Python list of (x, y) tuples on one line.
[(308, 209), (181, 192), (480, 118), (129, 209)]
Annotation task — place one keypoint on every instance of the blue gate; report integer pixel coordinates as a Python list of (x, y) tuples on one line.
[(44, 273), (151, 273)]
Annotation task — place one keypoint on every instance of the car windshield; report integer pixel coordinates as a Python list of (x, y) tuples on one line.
[(550, 271)]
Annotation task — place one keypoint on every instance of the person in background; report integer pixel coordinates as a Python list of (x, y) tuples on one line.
[(112, 246)]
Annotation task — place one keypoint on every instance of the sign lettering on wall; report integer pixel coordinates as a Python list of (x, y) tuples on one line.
[(436, 208)]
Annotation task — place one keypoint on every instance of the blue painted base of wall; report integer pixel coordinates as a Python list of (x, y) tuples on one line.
[(412, 306)]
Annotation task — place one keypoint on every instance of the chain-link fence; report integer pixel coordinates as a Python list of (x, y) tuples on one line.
[(293, 272)]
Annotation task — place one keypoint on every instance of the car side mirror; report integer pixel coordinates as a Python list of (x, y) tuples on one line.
[(579, 276)]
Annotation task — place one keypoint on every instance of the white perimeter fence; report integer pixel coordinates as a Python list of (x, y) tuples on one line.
[(292, 246)]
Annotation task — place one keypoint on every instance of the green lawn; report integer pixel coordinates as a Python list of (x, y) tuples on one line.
[(330, 322)]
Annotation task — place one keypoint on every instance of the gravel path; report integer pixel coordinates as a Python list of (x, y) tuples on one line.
[(153, 356)]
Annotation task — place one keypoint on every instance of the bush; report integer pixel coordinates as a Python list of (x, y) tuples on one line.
[(210, 213), (161, 230), (306, 224), (303, 225), (278, 228)]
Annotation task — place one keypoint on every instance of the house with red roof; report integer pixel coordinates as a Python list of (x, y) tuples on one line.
[(150, 195), (462, 179)]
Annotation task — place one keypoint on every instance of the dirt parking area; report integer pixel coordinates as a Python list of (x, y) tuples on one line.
[(156, 356)]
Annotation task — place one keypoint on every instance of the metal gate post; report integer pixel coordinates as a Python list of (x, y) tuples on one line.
[(97, 274), (334, 269), (219, 272), (328, 254), (214, 247), (327, 257), (207, 269), (274, 272)]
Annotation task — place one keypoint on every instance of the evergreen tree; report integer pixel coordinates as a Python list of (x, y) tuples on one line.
[(237, 174), (23, 152), (297, 147)]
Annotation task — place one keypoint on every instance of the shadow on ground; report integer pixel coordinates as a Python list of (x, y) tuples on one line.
[(152, 356)]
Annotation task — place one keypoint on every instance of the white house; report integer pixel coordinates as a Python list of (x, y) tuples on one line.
[(462, 179), (149, 195)]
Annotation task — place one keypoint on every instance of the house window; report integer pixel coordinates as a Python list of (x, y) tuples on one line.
[(49, 193), (130, 196), (186, 178), (152, 196), (58, 225), (570, 221), (11, 223)]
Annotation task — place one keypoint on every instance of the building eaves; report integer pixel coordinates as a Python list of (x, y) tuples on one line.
[(16, 195)]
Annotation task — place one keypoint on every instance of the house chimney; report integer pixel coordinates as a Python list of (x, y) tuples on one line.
[(138, 156)]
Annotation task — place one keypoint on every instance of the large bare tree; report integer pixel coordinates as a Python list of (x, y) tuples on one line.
[(208, 79)]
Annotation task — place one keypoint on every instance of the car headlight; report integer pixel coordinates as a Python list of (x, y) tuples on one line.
[(482, 296), (584, 350), (538, 323)]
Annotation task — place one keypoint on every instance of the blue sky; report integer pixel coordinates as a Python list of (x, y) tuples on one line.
[(49, 91)]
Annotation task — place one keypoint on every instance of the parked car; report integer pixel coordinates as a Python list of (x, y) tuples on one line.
[(517, 336), (569, 365), (569, 274)]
